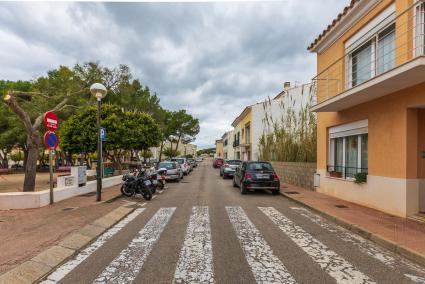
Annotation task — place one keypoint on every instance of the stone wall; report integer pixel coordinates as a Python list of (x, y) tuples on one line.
[(299, 174)]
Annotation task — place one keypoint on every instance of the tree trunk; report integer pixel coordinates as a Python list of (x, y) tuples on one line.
[(25, 150), (31, 162), (177, 146), (160, 151)]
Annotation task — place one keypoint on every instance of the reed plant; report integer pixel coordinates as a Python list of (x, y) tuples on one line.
[(290, 134)]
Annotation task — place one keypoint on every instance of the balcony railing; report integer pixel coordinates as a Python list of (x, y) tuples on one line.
[(400, 39)]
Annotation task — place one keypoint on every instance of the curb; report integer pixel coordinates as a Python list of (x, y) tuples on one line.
[(376, 238), (40, 266)]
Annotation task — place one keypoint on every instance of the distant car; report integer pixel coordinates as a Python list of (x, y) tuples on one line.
[(199, 159), (183, 164), (251, 176), (174, 171), (228, 168), (217, 163), (192, 162)]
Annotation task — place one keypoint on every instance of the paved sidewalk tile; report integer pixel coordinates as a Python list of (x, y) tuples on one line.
[(28, 232), (402, 235)]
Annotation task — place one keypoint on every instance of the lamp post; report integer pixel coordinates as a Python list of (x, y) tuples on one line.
[(99, 91)]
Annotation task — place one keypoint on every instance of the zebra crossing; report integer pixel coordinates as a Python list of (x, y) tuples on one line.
[(195, 262)]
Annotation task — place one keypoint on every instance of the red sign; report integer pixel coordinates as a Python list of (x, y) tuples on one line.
[(51, 120), (51, 140)]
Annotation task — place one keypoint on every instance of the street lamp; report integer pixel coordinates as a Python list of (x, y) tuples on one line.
[(99, 91)]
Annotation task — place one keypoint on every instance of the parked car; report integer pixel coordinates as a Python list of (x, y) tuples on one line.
[(228, 168), (217, 162), (174, 171), (192, 162), (250, 176), (199, 159), (183, 164)]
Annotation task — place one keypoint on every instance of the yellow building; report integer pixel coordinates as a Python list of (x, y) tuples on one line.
[(243, 135), (370, 91), (219, 148)]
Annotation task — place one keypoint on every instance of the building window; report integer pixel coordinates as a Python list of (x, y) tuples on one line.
[(247, 135), (361, 64), (374, 56), (386, 49), (419, 29), (348, 150)]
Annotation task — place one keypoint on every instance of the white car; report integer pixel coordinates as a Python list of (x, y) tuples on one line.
[(184, 164), (199, 159)]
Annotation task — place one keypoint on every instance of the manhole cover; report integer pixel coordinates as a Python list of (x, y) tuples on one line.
[(341, 206), (291, 192), (69, 208)]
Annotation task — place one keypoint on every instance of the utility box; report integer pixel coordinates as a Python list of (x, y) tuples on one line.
[(80, 173), (316, 181)]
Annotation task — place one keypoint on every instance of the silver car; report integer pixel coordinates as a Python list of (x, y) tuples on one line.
[(184, 164), (228, 168), (174, 171)]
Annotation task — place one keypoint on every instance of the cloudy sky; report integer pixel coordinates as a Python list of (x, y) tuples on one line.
[(212, 59)]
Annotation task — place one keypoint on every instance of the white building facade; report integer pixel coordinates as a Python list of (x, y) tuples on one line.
[(270, 113)]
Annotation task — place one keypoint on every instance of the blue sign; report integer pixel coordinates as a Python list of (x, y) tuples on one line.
[(103, 133), (51, 140)]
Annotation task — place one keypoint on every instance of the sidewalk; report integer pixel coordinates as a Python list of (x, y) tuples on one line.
[(403, 236), (25, 233)]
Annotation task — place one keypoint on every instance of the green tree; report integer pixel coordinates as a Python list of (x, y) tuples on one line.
[(169, 152), (125, 131), (185, 125), (61, 90)]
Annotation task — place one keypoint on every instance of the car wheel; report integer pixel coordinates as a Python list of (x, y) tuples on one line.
[(243, 190), (275, 192)]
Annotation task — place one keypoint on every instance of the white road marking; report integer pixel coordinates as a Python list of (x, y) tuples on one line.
[(67, 267), (153, 197), (125, 267), (337, 267), (365, 246), (143, 204), (195, 263), (265, 266)]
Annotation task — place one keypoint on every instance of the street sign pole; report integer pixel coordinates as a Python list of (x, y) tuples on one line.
[(51, 174)]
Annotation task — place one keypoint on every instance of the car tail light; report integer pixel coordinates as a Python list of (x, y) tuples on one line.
[(248, 176), (275, 177)]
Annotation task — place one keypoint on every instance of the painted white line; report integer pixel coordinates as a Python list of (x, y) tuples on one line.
[(142, 204), (67, 267), (125, 267), (265, 266), (153, 197), (337, 267), (386, 257), (195, 264)]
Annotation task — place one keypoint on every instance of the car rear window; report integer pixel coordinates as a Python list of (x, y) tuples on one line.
[(168, 166), (260, 167), (180, 161), (234, 162)]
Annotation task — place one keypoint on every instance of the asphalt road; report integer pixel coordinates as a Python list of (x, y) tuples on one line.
[(202, 230)]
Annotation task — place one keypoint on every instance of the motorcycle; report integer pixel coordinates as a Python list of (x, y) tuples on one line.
[(161, 173), (137, 183)]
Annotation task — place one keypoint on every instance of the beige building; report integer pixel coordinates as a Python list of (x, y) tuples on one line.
[(219, 148), (184, 149)]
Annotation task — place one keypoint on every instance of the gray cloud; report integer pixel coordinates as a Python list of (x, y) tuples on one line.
[(210, 58)]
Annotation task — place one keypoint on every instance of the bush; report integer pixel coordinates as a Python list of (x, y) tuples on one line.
[(360, 178)]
